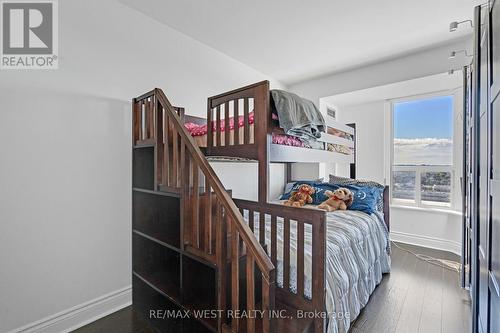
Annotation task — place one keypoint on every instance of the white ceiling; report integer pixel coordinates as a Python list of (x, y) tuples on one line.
[(404, 89), (294, 40)]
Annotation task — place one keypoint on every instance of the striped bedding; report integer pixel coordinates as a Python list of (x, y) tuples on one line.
[(357, 256)]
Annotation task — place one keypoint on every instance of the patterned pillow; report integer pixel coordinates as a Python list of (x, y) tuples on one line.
[(292, 186), (348, 181), (365, 197), (342, 181)]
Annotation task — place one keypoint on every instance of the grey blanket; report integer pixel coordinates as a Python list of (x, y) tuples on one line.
[(298, 116)]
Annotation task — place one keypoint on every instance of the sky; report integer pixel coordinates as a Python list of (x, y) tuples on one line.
[(423, 131)]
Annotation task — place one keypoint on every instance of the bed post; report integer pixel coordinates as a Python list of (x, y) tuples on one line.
[(288, 172), (319, 273), (353, 165), (210, 134), (262, 137), (387, 208)]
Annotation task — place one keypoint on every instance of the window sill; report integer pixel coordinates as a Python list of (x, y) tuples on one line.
[(427, 209)]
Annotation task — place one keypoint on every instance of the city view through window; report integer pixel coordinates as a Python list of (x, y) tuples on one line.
[(423, 148)]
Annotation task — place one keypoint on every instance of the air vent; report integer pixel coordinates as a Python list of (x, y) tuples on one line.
[(331, 112)]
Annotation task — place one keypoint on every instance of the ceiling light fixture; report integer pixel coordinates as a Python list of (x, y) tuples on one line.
[(454, 24), (453, 54)]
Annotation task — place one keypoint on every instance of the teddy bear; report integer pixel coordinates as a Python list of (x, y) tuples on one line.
[(300, 197), (339, 199)]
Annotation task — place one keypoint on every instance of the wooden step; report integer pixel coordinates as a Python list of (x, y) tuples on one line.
[(144, 143), (169, 189), (283, 325)]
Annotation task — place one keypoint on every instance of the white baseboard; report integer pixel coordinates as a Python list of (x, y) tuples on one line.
[(426, 241), (80, 315)]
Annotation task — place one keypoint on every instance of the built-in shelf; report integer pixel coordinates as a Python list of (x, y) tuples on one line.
[(165, 276), (159, 192), (156, 239), (146, 297), (143, 168), (169, 190), (193, 326), (157, 264), (157, 215), (196, 295), (158, 296)]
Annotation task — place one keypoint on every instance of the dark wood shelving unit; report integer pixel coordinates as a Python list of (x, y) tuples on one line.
[(157, 215), (164, 276), (157, 264), (143, 167), (147, 297), (199, 293)]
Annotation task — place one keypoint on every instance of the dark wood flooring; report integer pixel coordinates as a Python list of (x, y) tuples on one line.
[(123, 321), (415, 297)]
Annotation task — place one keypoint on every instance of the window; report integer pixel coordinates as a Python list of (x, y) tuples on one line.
[(422, 169)]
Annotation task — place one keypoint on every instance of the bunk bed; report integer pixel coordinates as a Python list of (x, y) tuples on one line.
[(250, 118), (264, 255)]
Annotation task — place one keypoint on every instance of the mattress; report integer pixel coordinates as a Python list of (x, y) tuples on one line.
[(357, 256)]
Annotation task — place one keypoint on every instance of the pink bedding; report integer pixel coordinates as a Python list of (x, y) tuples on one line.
[(200, 130), (287, 140)]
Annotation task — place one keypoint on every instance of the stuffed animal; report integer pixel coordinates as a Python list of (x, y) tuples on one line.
[(300, 197), (339, 199)]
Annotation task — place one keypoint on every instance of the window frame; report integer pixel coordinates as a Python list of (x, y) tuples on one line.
[(419, 169)]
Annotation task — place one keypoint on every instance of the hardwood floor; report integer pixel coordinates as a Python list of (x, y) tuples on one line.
[(123, 321), (415, 297)]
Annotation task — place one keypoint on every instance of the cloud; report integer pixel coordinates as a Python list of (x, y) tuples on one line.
[(423, 142), (424, 151)]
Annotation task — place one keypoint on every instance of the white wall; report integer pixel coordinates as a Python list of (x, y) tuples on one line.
[(429, 228), (242, 179), (64, 203), (110, 50), (426, 227), (419, 64), (65, 168), (370, 129)]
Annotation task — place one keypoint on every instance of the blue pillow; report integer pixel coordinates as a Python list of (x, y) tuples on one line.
[(319, 192), (348, 181), (364, 197), (295, 186)]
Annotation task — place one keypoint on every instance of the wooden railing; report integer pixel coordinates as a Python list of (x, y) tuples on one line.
[(299, 233), (212, 226), (247, 141), (144, 119)]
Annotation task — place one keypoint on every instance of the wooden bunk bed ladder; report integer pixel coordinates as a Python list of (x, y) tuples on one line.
[(212, 227)]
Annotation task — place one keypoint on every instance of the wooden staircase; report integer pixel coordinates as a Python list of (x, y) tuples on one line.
[(172, 176)]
